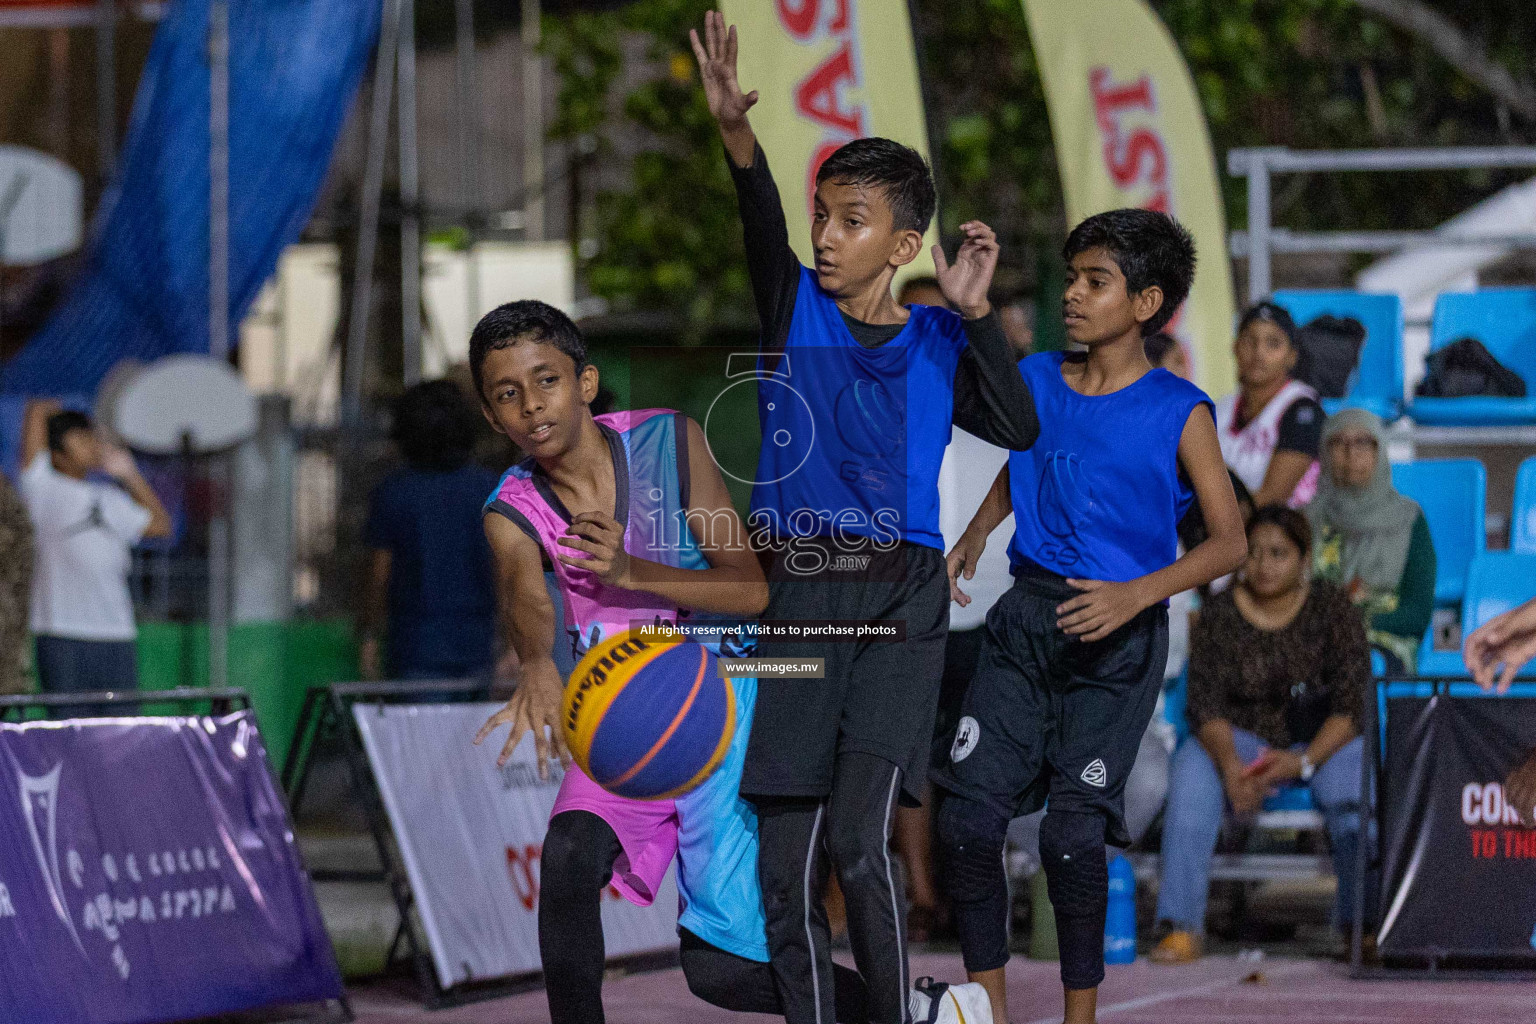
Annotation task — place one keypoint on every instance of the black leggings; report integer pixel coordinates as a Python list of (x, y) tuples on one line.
[(972, 834), (576, 865), (854, 826)]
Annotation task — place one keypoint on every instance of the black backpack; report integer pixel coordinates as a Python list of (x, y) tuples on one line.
[(1464, 369), (1330, 350)]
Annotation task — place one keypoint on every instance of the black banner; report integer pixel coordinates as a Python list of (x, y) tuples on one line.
[(1459, 871)]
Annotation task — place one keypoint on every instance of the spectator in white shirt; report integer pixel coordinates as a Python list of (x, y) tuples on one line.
[(82, 614)]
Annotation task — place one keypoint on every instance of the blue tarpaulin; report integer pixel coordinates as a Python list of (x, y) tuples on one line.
[(294, 66)]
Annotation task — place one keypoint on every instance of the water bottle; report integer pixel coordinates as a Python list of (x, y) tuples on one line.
[(1120, 921)]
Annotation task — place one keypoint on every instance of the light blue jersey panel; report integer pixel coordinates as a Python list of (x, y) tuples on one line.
[(717, 885)]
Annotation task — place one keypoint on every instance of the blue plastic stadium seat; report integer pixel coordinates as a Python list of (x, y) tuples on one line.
[(1522, 521), (1453, 495), (1438, 663), (1496, 582), (1290, 798), (1378, 382), (1504, 320)]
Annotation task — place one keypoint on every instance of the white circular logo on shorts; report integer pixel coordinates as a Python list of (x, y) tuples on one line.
[(965, 739)]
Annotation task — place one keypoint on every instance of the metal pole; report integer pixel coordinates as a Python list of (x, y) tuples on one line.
[(469, 146), (533, 126), (8, 200), (218, 331), (218, 179), (410, 194), (368, 226), (1258, 229), (106, 88), (219, 577)]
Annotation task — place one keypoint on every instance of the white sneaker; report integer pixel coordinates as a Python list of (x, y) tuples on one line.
[(934, 1002)]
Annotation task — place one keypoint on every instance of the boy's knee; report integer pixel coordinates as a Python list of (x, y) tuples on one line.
[(572, 858), (1072, 854), (971, 836), (711, 986)]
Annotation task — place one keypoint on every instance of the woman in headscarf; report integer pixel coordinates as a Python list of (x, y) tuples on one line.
[(1371, 540), (1269, 427)]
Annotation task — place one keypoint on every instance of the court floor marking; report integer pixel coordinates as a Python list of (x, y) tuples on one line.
[(1142, 1002)]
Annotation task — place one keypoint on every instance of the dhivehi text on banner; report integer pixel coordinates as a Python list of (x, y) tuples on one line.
[(471, 835), (827, 72), (1458, 868), (1129, 131), (148, 872)]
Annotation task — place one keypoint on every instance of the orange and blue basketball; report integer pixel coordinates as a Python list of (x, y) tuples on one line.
[(648, 717)]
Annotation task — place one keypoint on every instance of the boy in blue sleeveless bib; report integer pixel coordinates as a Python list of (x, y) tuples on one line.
[(672, 549), (1074, 652), (856, 398)]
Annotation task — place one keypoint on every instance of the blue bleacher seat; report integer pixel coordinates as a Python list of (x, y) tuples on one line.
[(1453, 495), (1504, 320), (1496, 582), (1378, 383), (1522, 520)]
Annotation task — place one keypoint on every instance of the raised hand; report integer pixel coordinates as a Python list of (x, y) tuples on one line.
[(717, 66), (965, 283), (117, 462)]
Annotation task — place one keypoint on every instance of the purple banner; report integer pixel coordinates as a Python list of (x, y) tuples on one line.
[(148, 873)]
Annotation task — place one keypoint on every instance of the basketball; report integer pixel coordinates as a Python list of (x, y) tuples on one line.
[(648, 718)]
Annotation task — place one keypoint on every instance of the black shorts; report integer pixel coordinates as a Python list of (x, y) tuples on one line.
[(1051, 716), (877, 697)]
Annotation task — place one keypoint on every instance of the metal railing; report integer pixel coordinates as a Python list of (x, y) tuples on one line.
[(1263, 238)]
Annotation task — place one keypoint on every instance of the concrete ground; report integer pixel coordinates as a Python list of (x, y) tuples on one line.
[(1267, 964), (1217, 990)]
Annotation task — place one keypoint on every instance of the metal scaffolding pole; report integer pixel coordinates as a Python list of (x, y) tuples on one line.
[(368, 227), (468, 81), (219, 596), (106, 87), (410, 198), (533, 125), (1262, 238)]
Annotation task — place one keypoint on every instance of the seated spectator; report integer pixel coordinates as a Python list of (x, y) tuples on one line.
[(429, 566), (1277, 669), (1372, 541), (1270, 427)]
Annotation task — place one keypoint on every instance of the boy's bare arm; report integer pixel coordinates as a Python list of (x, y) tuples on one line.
[(995, 507), (732, 585), (34, 431), (735, 575), (529, 618), (966, 554)]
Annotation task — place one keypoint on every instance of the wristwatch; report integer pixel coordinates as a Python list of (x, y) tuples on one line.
[(1308, 769)]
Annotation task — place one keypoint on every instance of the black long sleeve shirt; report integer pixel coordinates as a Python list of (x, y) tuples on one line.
[(991, 399)]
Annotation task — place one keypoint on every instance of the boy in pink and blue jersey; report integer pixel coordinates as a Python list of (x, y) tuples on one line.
[(630, 513)]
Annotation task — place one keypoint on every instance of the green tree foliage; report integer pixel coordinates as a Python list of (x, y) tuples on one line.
[(671, 238), (1315, 74)]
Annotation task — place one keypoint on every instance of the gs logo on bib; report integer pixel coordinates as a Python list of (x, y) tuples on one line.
[(966, 737)]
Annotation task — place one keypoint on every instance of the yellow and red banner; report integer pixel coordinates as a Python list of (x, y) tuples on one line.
[(827, 72), (1129, 131)]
